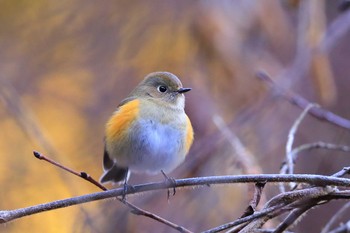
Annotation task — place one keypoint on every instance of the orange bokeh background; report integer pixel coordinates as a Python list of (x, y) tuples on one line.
[(65, 66)]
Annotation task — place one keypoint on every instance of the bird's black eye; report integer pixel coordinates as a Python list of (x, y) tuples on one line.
[(162, 89)]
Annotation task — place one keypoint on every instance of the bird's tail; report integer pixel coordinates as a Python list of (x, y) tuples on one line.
[(112, 172), (115, 174)]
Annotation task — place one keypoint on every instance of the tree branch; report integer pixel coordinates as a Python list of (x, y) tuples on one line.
[(302, 103), (134, 209), (9, 215), (291, 136)]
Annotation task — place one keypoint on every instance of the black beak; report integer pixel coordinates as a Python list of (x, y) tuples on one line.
[(183, 90)]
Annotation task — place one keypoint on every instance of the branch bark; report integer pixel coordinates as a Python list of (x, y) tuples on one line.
[(317, 180)]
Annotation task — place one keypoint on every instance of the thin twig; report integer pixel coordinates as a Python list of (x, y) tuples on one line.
[(310, 146), (276, 206), (337, 29), (255, 200), (342, 229), (291, 200), (239, 221), (291, 136), (138, 211), (335, 218), (340, 194), (343, 172), (83, 175), (293, 216), (134, 209), (258, 188), (318, 145), (307, 204), (302, 103)]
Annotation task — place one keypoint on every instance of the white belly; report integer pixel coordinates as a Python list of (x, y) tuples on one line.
[(154, 147)]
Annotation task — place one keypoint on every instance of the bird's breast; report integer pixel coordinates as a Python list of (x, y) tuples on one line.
[(157, 146)]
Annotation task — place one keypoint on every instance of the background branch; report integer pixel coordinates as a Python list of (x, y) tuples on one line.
[(335, 218), (297, 100)]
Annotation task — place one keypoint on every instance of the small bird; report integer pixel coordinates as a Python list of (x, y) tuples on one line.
[(149, 132)]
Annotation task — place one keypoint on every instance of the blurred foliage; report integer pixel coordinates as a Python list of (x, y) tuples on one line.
[(65, 65)]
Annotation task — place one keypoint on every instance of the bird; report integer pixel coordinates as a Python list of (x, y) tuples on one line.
[(149, 132)]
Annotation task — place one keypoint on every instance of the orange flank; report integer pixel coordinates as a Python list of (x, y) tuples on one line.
[(189, 136), (121, 119)]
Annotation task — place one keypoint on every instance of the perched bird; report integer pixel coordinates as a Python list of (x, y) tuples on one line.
[(149, 132)]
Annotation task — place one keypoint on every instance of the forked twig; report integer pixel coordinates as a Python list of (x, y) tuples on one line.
[(288, 165), (291, 136)]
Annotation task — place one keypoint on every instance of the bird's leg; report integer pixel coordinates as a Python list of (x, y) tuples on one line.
[(125, 189), (171, 181)]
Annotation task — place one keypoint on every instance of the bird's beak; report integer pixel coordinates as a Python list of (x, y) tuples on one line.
[(183, 90)]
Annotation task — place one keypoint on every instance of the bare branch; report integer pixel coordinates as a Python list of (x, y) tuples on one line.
[(138, 211), (83, 175), (318, 145), (302, 103), (8, 215), (310, 146), (337, 29), (343, 172), (293, 216), (276, 206), (291, 136), (255, 200), (245, 219), (291, 200), (289, 165)]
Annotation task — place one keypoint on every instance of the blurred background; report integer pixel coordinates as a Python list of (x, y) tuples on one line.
[(65, 66)]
